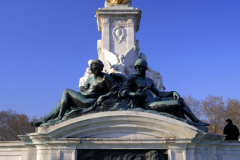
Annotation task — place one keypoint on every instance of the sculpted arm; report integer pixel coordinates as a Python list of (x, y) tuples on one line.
[(109, 82), (173, 94), (85, 85), (155, 90), (84, 89), (126, 88)]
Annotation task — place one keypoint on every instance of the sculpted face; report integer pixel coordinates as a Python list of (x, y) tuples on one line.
[(95, 69), (141, 70)]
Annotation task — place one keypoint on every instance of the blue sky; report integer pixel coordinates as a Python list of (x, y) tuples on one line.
[(45, 46)]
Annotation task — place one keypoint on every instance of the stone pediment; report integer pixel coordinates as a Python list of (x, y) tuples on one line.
[(121, 124)]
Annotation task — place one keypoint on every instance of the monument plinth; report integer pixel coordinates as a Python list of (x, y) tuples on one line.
[(118, 134), (118, 26)]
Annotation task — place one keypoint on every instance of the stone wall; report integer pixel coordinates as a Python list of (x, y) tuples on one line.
[(120, 130)]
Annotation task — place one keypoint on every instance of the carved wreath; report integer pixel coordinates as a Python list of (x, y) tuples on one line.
[(118, 34)]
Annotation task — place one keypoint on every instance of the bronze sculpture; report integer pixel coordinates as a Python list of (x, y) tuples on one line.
[(139, 87), (117, 2), (93, 91), (122, 155), (114, 2), (103, 92)]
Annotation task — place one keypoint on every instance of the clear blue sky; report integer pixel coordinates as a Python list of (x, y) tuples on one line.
[(45, 46)]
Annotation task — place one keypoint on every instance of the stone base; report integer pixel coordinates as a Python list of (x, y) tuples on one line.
[(121, 133)]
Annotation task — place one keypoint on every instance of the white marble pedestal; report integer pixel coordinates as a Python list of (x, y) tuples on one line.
[(122, 130), (118, 26)]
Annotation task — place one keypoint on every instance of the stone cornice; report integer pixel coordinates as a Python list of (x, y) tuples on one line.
[(128, 12)]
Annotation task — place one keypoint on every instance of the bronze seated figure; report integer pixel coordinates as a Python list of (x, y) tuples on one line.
[(141, 88), (95, 87)]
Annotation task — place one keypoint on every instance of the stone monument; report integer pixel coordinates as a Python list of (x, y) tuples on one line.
[(118, 49), (114, 115)]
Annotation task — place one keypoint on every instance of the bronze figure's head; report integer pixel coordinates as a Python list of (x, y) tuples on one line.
[(141, 62), (141, 66), (96, 66)]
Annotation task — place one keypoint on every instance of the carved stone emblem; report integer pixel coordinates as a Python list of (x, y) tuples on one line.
[(118, 34)]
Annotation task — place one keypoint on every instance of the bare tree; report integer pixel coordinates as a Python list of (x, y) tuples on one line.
[(194, 105), (13, 124), (233, 111), (214, 112)]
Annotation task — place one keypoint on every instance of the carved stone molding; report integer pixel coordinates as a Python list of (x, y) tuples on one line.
[(121, 14), (119, 21), (105, 20), (130, 21)]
